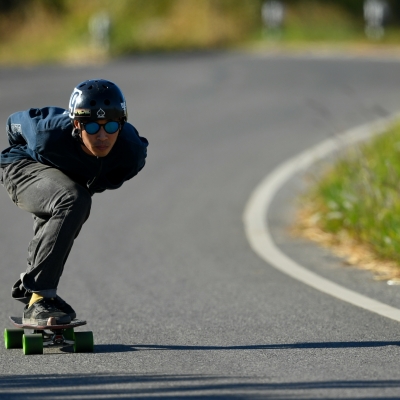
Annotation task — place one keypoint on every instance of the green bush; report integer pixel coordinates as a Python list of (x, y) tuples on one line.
[(360, 197)]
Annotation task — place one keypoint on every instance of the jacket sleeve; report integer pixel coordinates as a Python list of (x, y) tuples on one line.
[(21, 130), (136, 159)]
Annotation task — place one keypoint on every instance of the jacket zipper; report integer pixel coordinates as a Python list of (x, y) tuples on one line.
[(93, 181)]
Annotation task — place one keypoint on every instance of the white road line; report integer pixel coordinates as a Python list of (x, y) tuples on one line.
[(256, 211)]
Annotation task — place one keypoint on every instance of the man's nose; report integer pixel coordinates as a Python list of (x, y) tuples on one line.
[(102, 135)]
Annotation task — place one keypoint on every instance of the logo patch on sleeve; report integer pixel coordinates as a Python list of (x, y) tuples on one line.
[(16, 128)]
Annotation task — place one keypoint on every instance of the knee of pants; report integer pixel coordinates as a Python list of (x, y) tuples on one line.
[(80, 201)]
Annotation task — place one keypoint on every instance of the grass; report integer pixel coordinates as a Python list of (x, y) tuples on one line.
[(317, 22), (355, 205)]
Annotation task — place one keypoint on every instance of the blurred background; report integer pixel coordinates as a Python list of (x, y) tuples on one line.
[(76, 32)]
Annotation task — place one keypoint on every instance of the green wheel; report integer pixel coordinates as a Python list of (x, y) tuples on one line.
[(83, 342), (69, 334), (13, 338), (32, 343)]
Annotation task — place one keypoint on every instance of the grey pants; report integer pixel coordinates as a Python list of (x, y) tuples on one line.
[(59, 207)]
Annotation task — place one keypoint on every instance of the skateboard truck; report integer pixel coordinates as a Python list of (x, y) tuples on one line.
[(57, 337)]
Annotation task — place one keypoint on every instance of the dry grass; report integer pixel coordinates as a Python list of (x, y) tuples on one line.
[(353, 252)]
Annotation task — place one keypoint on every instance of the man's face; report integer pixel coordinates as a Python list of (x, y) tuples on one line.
[(99, 144)]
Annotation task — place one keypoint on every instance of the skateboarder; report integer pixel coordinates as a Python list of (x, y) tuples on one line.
[(56, 161)]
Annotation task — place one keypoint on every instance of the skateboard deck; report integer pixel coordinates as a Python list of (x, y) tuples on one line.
[(51, 325)]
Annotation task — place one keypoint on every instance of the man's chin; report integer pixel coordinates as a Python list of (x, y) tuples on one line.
[(100, 152), (96, 151)]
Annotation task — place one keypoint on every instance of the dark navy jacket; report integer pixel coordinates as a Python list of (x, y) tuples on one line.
[(45, 135)]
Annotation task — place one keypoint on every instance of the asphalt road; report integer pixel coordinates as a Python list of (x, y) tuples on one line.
[(179, 304)]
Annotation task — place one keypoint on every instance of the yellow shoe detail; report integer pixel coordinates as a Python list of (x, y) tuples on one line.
[(35, 297)]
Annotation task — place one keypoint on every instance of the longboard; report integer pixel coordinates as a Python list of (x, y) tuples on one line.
[(49, 335)]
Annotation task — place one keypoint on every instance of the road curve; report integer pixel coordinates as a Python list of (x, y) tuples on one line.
[(179, 304), (255, 215)]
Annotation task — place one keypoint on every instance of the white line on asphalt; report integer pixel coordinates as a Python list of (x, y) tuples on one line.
[(256, 211)]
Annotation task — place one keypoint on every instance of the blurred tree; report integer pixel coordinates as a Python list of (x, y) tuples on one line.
[(9, 5), (355, 7), (54, 5)]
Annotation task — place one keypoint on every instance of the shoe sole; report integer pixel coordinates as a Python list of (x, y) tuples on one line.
[(43, 322)]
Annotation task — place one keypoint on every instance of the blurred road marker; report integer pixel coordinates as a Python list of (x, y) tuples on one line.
[(257, 207)]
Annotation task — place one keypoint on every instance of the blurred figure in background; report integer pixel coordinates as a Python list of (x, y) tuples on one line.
[(376, 13)]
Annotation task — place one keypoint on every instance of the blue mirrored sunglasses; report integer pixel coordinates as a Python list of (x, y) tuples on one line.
[(93, 127)]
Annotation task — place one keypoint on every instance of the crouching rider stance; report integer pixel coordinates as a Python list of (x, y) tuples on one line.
[(56, 161)]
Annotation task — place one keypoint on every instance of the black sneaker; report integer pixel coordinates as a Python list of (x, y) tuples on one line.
[(40, 311), (63, 306)]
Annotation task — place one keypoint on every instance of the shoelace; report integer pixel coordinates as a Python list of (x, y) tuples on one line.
[(45, 306)]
